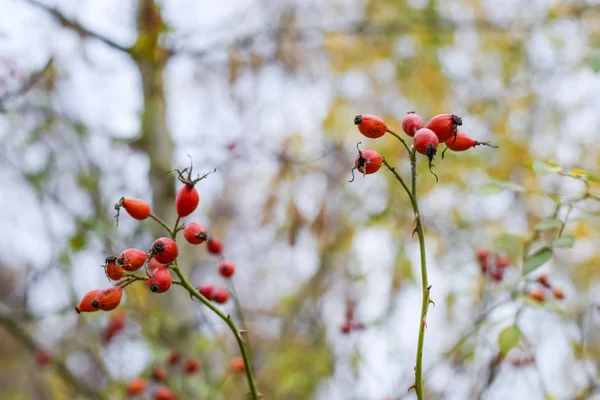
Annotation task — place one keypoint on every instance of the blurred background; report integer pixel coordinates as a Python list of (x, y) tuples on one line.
[(101, 99)]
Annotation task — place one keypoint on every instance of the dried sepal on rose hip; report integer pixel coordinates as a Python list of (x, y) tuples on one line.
[(187, 198), (370, 125), (112, 269), (445, 126), (463, 142), (89, 303), (226, 268), (411, 123), (195, 233), (137, 208), (164, 250), (366, 162), (160, 281), (132, 259), (426, 142)]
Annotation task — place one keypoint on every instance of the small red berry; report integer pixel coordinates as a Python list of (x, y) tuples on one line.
[(370, 125), (543, 280), (89, 303), (108, 299), (237, 365), (116, 323), (226, 268), (497, 274), (187, 200), (412, 123), (160, 282), (153, 264), (173, 358), (164, 393), (214, 245), (220, 295), (191, 366), (159, 374), (482, 254), (112, 269), (368, 161), (42, 357), (207, 291), (502, 262), (537, 295), (445, 126), (165, 250), (137, 208), (558, 293), (426, 142), (464, 142), (195, 233), (132, 259), (136, 386), (346, 327)]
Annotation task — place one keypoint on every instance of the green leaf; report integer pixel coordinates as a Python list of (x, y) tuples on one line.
[(495, 187), (537, 259), (565, 242), (543, 168), (586, 175), (548, 224), (508, 339)]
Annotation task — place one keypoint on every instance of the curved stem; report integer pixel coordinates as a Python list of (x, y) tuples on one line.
[(175, 229), (400, 139), (160, 221), (243, 349)]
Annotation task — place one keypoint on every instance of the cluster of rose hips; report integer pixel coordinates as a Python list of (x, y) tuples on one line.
[(442, 128), (161, 254), (543, 285), (350, 324), (492, 265)]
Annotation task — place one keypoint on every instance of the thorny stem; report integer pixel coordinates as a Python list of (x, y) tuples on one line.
[(412, 194), (160, 221), (243, 348), (240, 314)]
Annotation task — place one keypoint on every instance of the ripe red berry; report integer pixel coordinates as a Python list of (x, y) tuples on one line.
[(132, 259), (191, 366), (558, 293), (195, 233), (220, 295), (412, 123), (159, 374), (153, 264), (368, 161), (112, 270), (426, 142), (497, 274), (207, 291), (89, 303), (165, 250), (136, 386), (445, 126), (482, 254), (464, 142), (160, 282), (116, 323), (543, 280), (173, 358), (346, 327), (164, 393), (187, 200), (108, 299), (226, 268), (502, 262), (214, 245), (237, 365), (537, 295), (370, 125), (43, 357), (137, 208)]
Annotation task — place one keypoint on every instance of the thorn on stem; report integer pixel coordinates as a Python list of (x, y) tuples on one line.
[(412, 387)]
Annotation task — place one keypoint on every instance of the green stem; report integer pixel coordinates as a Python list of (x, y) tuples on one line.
[(240, 314), (175, 228), (160, 221), (236, 333)]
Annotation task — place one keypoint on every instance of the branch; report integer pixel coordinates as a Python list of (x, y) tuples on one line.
[(81, 30)]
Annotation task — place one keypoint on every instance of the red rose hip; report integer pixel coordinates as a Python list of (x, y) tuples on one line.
[(426, 142), (137, 208), (160, 282), (445, 126), (207, 291), (464, 142), (165, 250), (220, 295), (370, 125), (89, 302), (214, 245), (226, 268), (368, 161), (412, 123), (195, 233), (132, 259)]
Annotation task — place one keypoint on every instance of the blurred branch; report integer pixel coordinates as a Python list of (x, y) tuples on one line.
[(19, 333), (33, 79), (77, 27)]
